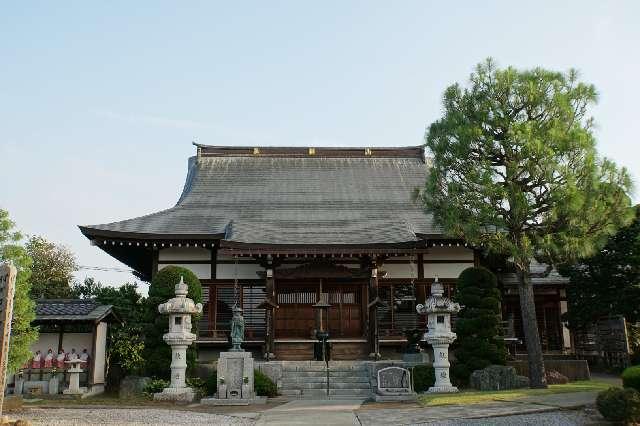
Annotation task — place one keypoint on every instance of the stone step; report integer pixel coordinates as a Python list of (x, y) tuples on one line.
[(333, 373), (350, 379), (288, 368), (304, 374), (322, 367), (293, 380), (334, 385), (309, 393), (302, 386), (363, 393)]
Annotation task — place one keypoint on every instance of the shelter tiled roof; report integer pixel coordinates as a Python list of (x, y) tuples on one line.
[(286, 196), (71, 310)]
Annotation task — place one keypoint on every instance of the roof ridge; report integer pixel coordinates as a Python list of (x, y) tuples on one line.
[(416, 151)]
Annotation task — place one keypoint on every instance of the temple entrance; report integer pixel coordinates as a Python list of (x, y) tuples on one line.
[(297, 319)]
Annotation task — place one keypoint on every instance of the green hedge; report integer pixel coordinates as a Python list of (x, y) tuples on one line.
[(619, 405), (631, 378), (263, 385), (157, 354)]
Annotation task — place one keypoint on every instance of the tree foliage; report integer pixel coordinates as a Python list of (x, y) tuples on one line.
[(157, 353), (515, 171), (608, 282), (23, 335), (125, 341), (478, 325), (52, 270)]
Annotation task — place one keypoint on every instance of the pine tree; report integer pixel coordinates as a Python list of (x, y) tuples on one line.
[(515, 171)]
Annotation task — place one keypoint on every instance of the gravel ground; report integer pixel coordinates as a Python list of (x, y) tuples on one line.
[(114, 416), (552, 418)]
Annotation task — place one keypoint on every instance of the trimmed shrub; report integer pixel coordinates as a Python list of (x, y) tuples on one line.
[(157, 354), (478, 325), (631, 378), (198, 385), (155, 386), (212, 383), (619, 405), (424, 376), (263, 385)]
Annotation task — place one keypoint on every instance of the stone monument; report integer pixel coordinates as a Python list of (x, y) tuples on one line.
[(394, 384), (179, 337), (439, 335)]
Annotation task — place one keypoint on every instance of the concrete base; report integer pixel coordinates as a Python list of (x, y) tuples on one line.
[(175, 395), (396, 398), (216, 401), (443, 389)]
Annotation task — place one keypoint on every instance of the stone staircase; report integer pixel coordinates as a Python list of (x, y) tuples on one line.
[(308, 380)]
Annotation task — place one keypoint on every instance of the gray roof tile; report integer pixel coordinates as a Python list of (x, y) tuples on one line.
[(71, 310), (294, 200)]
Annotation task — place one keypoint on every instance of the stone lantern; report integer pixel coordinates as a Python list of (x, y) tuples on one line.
[(179, 337), (439, 335)]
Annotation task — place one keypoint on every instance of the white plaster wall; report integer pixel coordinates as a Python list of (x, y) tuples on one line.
[(184, 253), (449, 253), (46, 341), (202, 271), (79, 341), (398, 270), (245, 271), (101, 352), (444, 270)]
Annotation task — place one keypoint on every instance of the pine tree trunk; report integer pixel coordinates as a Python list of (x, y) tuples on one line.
[(537, 375)]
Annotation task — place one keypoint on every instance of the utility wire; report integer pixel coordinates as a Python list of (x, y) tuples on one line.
[(105, 269)]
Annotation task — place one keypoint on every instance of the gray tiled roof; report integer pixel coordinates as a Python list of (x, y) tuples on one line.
[(71, 310), (294, 200), (510, 279)]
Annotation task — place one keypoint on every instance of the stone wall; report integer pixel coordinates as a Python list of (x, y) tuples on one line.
[(574, 369)]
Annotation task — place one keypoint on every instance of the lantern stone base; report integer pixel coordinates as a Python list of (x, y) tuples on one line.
[(175, 394), (443, 389)]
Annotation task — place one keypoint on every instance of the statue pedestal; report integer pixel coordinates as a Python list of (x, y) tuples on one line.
[(235, 380)]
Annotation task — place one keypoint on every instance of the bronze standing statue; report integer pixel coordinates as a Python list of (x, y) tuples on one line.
[(237, 329)]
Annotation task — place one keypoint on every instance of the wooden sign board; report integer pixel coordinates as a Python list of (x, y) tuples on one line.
[(7, 290)]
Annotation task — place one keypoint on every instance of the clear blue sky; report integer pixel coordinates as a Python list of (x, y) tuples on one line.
[(99, 101)]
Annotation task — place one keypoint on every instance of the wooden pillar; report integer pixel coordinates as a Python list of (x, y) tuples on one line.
[(374, 300), (155, 255), (420, 266), (60, 336), (270, 296)]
